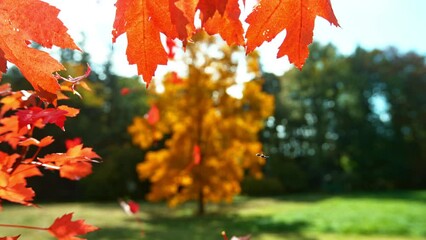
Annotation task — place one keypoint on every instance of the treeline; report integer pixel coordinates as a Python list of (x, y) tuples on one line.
[(343, 123), (347, 123)]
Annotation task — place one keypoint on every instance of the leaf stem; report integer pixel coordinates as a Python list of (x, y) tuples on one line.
[(23, 226), (45, 165), (36, 154)]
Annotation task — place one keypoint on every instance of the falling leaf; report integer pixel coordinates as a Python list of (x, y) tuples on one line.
[(124, 91), (133, 206), (153, 115), (196, 154)]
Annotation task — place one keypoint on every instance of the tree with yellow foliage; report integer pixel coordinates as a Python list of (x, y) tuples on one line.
[(211, 137)]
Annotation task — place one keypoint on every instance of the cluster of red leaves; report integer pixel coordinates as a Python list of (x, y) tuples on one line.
[(21, 113), (144, 20)]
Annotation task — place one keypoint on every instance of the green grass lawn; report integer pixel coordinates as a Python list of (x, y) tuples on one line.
[(394, 216)]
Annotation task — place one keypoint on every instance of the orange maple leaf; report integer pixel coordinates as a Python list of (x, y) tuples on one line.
[(270, 17), (71, 112), (11, 102), (10, 131), (227, 24), (14, 192), (74, 164), (170, 20), (65, 229), (37, 21), (188, 8), (13, 185), (144, 46)]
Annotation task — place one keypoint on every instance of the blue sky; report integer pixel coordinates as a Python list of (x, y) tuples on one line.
[(366, 23)]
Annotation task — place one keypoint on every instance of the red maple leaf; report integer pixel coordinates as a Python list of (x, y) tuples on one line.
[(153, 115), (133, 206), (69, 143), (40, 117), (37, 21), (124, 91), (129, 207), (175, 79), (170, 48), (65, 229), (144, 46), (208, 8), (3, 63), (270, 17)]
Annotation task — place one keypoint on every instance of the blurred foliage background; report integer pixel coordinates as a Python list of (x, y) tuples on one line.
[(344, 123)]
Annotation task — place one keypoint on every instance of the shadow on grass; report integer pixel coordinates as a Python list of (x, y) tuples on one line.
[(211, 226), (413, 196), (115, 233), (202, 228)]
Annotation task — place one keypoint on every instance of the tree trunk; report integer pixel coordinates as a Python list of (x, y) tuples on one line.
[(201, 207)]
